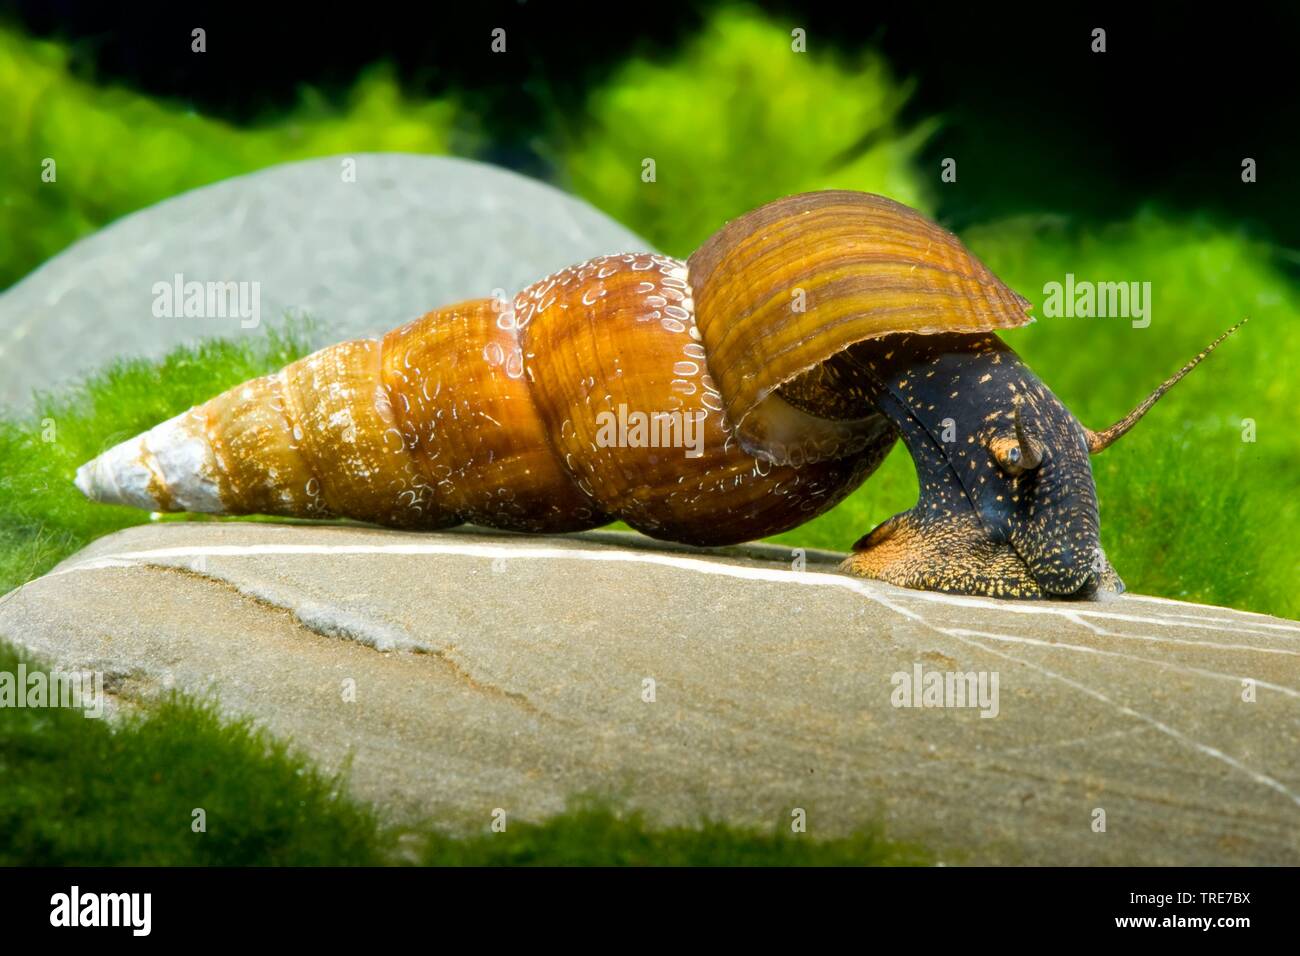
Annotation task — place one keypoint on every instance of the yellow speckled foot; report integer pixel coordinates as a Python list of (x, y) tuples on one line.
[(954, 555)]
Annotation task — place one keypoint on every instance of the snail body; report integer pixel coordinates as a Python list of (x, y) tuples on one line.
[(766, 378)]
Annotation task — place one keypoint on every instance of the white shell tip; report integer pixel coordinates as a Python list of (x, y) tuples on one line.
[(83, 481), (174, 456)]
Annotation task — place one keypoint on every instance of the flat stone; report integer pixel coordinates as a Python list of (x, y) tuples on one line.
[(410, 234), (501, 671)]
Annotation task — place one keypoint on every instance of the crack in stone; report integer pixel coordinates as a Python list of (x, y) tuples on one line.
[(453, 667)]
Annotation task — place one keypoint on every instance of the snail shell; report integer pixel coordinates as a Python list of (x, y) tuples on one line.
[(784, 288), (498, 412)]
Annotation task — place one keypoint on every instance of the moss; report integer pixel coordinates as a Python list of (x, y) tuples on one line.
[(594, 833), (116, 151), (735, 120), (77, 791)]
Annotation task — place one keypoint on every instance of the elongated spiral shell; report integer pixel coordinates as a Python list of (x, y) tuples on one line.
[(491, 412), (503, 412)]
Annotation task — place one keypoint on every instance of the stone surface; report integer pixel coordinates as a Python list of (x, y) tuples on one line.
[(410, 234), (504, 671)]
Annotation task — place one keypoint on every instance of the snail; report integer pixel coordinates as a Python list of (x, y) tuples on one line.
[(800, 342)]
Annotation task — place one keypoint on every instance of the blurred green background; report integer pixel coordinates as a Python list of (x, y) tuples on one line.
[(1114, 167)]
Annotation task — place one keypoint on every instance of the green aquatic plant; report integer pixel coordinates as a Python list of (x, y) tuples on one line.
[(76, 156), (735, 119)]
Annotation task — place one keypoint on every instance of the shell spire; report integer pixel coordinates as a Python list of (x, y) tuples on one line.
[(171, 467)]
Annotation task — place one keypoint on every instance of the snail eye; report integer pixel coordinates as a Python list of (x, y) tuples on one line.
[(1008, 454)]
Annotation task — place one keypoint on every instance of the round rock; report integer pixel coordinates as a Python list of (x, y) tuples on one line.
[(360, 243), (485, 670)]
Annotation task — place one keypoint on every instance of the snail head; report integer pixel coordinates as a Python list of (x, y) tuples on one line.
[(1007, 505), (1039, 496)]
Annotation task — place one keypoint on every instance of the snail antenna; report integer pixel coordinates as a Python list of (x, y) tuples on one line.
[(1103, 439)]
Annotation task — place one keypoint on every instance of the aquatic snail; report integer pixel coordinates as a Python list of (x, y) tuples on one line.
[(803, 339)]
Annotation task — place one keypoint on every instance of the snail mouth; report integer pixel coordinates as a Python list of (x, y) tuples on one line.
[(1081, 584), (1072, 587), (1068, 566)]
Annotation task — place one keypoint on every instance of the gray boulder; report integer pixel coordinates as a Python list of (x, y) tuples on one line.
[(409, 234), (467, 671)]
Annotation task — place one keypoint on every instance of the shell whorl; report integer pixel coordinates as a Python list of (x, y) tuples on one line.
[(780, 290)]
